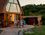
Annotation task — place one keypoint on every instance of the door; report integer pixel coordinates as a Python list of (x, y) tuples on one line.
[(1, 19)]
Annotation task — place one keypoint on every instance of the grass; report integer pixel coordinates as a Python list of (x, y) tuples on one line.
[(37, 32)]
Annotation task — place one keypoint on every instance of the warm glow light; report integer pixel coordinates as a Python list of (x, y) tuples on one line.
[(12, 17)]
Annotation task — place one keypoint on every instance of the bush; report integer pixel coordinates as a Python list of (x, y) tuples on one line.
[(43, 20)]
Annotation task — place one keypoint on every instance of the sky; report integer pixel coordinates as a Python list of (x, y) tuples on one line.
[(26, 2)]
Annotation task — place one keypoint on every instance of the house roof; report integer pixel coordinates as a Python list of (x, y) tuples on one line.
[(2, 4)]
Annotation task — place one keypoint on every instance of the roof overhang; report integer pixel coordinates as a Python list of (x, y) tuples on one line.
[(31, 16), (13, 12)]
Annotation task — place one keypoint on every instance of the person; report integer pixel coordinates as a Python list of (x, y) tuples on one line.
[(15, 21), (22, 23)]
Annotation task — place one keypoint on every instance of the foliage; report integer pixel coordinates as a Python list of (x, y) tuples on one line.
[(43, 20), (37, 31), (39, 9)]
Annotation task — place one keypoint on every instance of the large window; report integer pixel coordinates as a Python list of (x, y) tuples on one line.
[(12, 6)]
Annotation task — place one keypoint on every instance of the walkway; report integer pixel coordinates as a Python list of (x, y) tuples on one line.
[(14, 31)]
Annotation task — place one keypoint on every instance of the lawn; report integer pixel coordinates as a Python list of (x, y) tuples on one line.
[(37, 32)]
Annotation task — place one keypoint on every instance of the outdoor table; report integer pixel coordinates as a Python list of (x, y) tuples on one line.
[(15, 31)]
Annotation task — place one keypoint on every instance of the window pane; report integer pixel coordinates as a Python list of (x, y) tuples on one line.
[(7, 7), (10, 0), (13, 8), (15, 1), (18, 9)]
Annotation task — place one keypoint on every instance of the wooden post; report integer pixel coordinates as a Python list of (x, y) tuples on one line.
[(4, 20), (39, 23)]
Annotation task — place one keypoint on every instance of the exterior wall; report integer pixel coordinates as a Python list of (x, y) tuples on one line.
[(2, 6)]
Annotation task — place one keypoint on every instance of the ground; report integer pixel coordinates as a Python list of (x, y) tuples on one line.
[(36, 31), (14, 30)]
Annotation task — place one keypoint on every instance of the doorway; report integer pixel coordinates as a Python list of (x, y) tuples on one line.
[(1, 19), (31, 20)]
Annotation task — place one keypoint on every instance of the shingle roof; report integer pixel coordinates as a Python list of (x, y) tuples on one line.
[(2, 3)]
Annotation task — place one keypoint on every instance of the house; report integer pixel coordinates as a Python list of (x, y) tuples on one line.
[(8, 11)]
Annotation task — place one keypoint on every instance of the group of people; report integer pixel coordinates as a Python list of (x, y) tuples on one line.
[(19, 23)]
